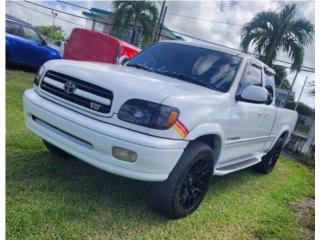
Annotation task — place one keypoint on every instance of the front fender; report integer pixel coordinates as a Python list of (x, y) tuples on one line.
[(205, 129), (209, 129)]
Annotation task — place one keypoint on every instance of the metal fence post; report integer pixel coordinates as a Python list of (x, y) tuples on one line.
[(295, 108), (290, 89)]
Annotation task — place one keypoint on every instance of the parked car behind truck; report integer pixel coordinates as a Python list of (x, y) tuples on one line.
[(88, 45), (175, 115), (25, 46)]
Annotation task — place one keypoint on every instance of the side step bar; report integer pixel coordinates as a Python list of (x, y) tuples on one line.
[(233, 166)]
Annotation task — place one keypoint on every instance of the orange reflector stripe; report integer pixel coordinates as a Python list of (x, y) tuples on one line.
[(181, 128), (179, 131)]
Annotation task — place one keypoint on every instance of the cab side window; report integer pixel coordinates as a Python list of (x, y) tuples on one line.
[(269, 85), (31, 34), (14, 29), (252, 76)]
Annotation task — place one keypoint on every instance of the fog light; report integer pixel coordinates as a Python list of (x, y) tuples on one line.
[(124, 154)]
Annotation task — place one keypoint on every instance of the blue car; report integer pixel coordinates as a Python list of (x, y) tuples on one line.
[(25, 46)]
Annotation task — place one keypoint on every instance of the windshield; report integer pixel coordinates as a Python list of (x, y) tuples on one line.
[(201, 66)]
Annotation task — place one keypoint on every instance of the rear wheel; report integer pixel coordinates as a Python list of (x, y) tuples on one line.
[(55, 150), (186, 186), (270, 159)]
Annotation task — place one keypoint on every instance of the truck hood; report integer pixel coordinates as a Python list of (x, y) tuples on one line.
[(129, 82)]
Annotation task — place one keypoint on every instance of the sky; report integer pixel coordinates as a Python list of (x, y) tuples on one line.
[(209, 24)]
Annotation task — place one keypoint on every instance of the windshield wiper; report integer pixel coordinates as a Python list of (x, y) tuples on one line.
[(186, 78), (139, 66)]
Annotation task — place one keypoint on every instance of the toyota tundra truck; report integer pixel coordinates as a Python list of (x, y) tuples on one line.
[(176, 114)]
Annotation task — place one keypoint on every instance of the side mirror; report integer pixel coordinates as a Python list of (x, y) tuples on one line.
[(58, 43), (123, 59), (254, 94), (44, 42)]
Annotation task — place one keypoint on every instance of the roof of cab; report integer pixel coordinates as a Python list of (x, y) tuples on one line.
[(223, 49), (17, 20)]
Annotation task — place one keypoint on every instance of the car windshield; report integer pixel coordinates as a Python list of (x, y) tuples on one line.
[(205, 67)]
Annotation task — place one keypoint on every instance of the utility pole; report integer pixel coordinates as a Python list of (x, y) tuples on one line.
[(159, 21), (290, 89), (93, 23), (55, 14), (305, 81)]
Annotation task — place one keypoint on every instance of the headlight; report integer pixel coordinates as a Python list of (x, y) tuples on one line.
[(148, 114), (39, 75)]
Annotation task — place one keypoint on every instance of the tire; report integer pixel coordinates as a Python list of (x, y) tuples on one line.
[(55, 150), (183, 191), (270, 159)]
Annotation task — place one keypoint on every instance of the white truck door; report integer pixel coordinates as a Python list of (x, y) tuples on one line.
[(244, 135), (270, 112)]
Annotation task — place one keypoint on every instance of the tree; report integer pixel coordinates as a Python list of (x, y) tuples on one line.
[(53, 32), (142, 14), (271, 32)]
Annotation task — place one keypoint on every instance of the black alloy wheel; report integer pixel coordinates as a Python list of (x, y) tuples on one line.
[(183, 191), (195, 185)]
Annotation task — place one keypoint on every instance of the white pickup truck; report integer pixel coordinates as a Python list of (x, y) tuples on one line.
[(175, 114)]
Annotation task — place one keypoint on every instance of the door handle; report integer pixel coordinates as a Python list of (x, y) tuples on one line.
[(259, 115)]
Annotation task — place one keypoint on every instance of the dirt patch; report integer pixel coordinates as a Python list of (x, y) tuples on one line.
[(305, 210)]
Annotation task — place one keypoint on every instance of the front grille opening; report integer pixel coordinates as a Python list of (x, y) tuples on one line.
[(56, 87), (63, 133)]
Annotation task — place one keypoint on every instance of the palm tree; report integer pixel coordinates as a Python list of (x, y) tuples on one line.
[(271, 32), (142, 14)]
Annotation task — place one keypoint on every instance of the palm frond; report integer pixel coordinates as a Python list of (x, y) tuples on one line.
[(295, 52), (303, 30), (287, 13)]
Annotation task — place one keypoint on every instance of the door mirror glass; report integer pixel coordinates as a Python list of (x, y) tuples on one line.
[(254, 94), (123, 59)]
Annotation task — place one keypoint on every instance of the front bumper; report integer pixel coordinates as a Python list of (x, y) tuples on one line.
[(92, 140)]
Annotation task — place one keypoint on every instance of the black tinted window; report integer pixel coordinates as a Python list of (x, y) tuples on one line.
[(269, 85), (201, 66), (252, 76), (14, 29)]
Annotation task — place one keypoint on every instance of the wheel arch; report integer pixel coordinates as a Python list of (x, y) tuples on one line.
[(284, 132), (210, 134)]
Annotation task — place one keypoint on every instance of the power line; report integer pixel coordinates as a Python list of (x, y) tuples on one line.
[(71, 14), (72, 4), (49, 15), (205, 20)]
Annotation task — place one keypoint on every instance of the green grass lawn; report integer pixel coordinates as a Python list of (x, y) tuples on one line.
[(52, 198)]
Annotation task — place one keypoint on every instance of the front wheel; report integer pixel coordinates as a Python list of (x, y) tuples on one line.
[(270, 159), (181, 194)]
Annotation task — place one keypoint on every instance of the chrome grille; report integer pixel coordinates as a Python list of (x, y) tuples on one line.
[(77, 91)]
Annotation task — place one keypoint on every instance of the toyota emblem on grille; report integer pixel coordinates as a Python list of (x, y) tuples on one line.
[(69, 87)]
